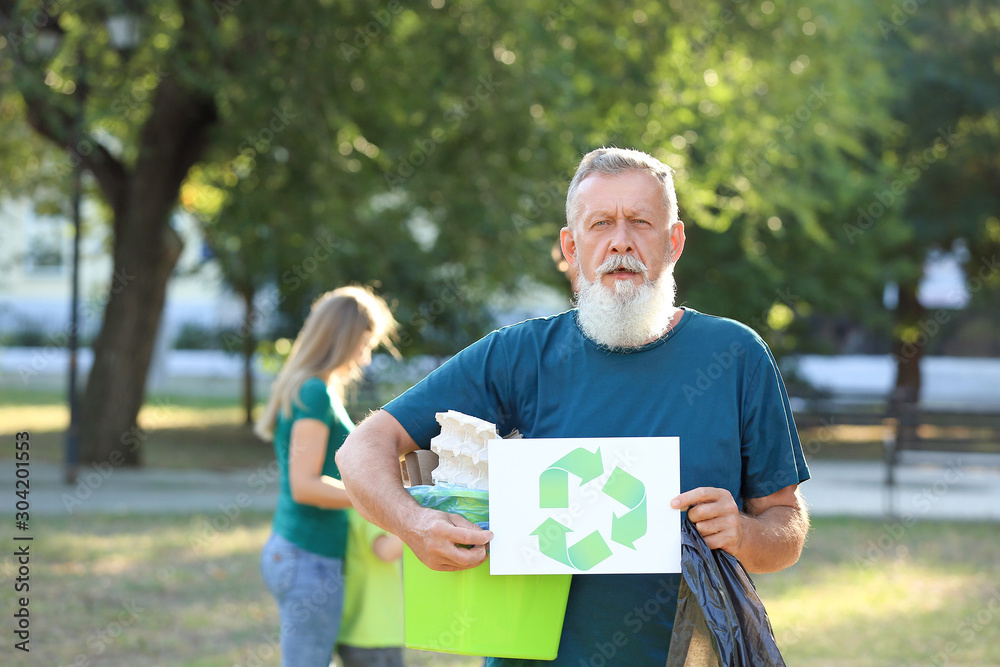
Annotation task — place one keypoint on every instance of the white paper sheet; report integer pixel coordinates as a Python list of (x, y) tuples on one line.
[(584, 505)]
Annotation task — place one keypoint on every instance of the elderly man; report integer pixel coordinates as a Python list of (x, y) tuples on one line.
[(625, 362)]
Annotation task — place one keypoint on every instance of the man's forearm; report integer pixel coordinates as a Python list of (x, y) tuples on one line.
[(773, 539), (369, 468)]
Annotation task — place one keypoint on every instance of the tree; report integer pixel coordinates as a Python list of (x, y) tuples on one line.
[(945, 155), (139, 152), (427, 149)]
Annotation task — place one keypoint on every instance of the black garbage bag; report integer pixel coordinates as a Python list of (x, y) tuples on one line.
[(720, 620)]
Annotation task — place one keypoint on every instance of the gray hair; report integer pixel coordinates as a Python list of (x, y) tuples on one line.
[(615, 161)]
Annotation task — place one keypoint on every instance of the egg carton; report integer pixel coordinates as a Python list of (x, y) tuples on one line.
[(462, 452)]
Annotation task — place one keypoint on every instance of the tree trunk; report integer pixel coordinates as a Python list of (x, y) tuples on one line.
[(144, 258), (249, 344), (146, 250), (905, 398)]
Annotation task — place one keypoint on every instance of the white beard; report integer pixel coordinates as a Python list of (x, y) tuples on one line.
[(628, 316)]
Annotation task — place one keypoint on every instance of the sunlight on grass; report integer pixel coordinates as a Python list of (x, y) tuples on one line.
[(129, 590), (49, 418), (181, 433), (931, 596), (33, 418), (856, 608), (164, 414)]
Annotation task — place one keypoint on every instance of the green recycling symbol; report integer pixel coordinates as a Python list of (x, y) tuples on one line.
[(553, 492)]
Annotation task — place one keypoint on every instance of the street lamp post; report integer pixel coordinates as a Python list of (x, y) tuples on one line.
[(47, 43), (73, 434), (123, 35)]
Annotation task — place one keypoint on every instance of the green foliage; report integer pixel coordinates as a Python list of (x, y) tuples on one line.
[(947, 148), (430, 149), (425, 148)]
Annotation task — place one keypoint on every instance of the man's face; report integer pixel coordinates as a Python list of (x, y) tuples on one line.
[(617, 215)]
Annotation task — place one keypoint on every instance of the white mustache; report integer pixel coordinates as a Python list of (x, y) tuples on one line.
[(622, 262)]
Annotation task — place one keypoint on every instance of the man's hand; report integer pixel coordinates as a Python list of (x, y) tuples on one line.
[(767, 537), (442, 541), (715, 514)]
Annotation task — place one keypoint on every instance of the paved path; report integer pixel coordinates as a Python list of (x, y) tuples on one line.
[(837, 488)]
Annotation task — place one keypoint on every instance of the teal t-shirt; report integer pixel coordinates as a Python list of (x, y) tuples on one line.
[(711, 381), (321, 531)]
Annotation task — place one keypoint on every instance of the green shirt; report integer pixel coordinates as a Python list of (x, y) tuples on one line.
[(320, 531), (373, 591)]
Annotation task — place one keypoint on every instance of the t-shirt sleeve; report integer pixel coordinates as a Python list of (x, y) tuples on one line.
[(314, 402), (473, 382), (771, 451)]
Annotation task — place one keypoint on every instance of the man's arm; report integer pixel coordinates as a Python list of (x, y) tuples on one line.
[(766, 537), (369, 466)]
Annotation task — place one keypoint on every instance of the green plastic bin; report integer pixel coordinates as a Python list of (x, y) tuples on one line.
[(471, 612)]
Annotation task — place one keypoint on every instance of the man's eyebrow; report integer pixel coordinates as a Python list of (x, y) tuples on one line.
[(632, 212)]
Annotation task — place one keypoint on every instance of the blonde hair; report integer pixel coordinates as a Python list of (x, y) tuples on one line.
[(338, 323)]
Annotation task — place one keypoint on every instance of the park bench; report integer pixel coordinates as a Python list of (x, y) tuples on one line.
[(921, 434)]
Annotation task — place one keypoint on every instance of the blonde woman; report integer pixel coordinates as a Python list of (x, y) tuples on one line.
[(302, 562)]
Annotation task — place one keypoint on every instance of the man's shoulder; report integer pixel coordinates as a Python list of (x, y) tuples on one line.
[(540, 326), (725, 329)]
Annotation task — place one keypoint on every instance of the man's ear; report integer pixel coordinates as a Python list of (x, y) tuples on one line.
[(676, 241), (568, 245)]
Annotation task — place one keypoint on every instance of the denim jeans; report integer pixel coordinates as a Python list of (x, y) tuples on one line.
[(309, 589)]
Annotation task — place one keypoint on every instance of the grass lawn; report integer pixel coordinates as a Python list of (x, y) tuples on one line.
[(871, 592), (140, 590), (183, 432)]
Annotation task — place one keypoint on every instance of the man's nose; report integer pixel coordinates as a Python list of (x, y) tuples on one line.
[(621, 240)]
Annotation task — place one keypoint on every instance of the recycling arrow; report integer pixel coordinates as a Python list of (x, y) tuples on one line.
[(583, 555), (631, 493), (553, 492), (552, 540), (553, 484), (553, 488), (589, 551)]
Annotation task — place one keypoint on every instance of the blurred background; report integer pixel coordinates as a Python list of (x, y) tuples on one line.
[(179, 180)]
